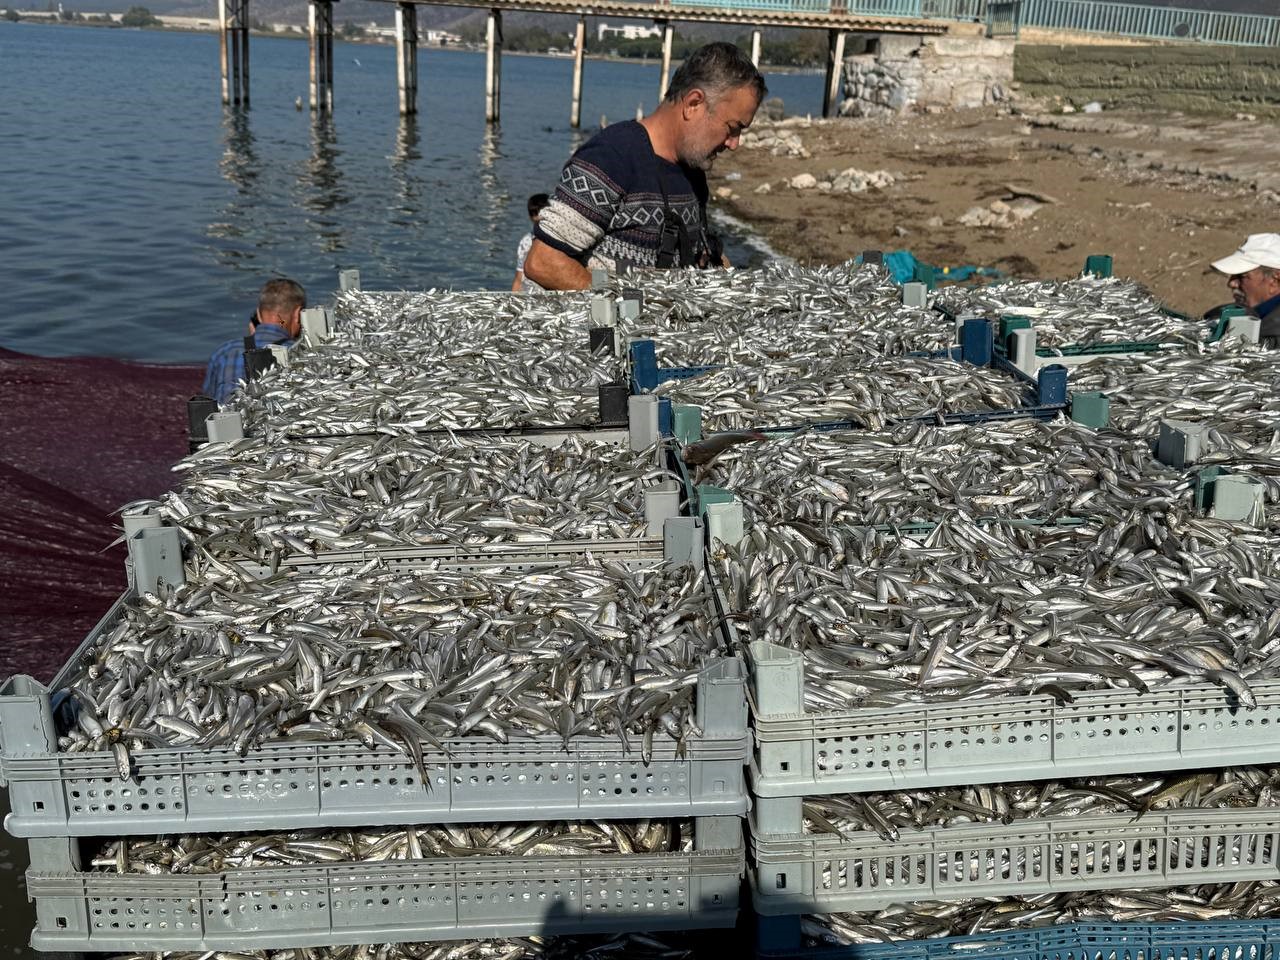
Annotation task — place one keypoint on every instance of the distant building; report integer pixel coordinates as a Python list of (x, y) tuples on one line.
[(430, 38), (628, 31)]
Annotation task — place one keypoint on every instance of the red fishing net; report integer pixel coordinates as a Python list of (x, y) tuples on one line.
[(79, 438)]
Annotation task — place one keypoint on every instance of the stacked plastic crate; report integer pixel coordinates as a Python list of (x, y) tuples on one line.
[(78, 808)]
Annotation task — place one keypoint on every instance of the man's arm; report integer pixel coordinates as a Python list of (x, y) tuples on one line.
[(518, 283), (592, 186), (552, 270)]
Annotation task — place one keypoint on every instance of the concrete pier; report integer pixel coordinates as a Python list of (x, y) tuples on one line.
[(407, 57), (233, 45), (835, 64), (493, 67), (579, 55), (320, 41)]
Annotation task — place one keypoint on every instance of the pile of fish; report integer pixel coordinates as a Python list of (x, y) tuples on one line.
[(258, 498), (395, 661), (925, 919), (453, 317), (632, 946), (867, 391), (1229, 388), (920, 472), (968, 611), (780, 312), (201, 854), (1085, 310), (891, 815)]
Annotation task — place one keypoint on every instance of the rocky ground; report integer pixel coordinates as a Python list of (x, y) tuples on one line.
[(1029, 190)]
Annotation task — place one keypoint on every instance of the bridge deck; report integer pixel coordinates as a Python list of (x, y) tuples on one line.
[(762, 17)]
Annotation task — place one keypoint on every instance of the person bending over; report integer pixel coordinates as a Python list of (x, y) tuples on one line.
[(635, 194)]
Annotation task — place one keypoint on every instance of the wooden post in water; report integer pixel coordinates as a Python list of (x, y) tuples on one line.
[(493, 67), (668, 34), (835, 71), (320, 22), (755, 47), (407, 56), (579, 54)]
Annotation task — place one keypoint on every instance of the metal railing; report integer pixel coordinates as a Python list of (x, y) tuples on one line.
[(1003, 18), (775, 6), (1157, 23), (975, 10)]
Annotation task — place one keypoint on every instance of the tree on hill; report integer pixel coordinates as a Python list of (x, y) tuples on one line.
[(140, 17)]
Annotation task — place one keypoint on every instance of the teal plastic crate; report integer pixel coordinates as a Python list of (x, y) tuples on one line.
[(1200, 940)]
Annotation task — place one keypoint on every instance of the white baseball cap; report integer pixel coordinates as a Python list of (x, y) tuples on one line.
[(1260, 250)]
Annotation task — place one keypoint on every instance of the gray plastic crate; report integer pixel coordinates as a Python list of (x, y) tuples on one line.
[(824, 874), (997, 739), (635, 552), (189, 790), (351, 903), (283, 786)]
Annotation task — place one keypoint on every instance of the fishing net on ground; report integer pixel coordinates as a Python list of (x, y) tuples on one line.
[(79, 437)]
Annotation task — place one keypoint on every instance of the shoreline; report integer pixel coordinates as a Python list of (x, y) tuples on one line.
[(1031, 194), (382, 42)]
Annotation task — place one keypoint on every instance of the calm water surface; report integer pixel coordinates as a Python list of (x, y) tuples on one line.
[(139, 216)]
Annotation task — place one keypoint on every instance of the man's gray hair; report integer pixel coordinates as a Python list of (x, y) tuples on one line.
[(715, 69), (281, 296)]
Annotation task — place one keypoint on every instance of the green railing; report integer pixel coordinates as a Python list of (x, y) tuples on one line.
[(774, 6), (975, 10), (1002, 18), (1157, 23)]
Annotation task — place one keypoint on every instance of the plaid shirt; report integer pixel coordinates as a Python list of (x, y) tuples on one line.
[(226, 366)]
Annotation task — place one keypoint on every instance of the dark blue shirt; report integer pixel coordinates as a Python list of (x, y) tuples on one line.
[(226, 366), (1267, 307)]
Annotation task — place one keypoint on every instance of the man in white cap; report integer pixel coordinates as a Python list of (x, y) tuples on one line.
[(1253, 274)]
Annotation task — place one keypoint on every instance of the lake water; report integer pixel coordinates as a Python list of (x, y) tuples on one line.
[(140, 216)]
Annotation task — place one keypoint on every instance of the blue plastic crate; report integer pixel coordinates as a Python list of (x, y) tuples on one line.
[(1201, 940)]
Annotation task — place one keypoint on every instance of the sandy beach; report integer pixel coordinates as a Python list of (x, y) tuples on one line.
[(1029, 190)]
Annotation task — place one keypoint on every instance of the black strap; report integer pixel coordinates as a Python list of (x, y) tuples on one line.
[(675, 245)]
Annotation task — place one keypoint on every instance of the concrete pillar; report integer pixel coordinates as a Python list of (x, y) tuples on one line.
[(668, 35), (756, 36), (244, 52), (233, 47), (579, 55), (493, 67), (835, 70), (222, 50), (407, 57), (320, 39)]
